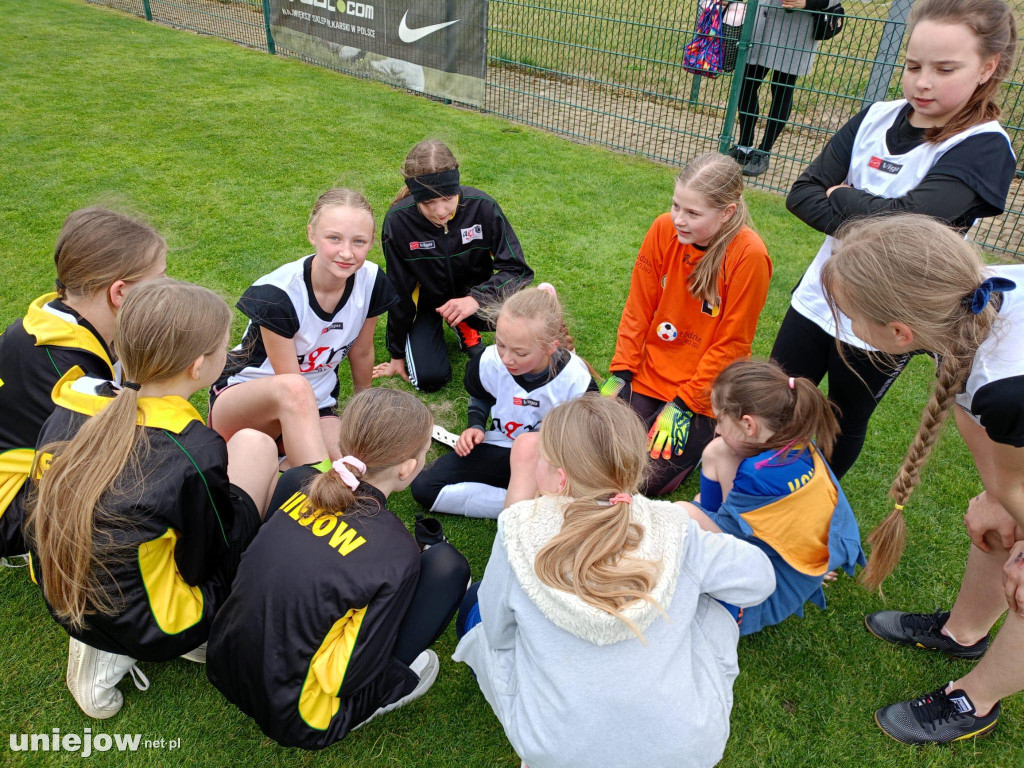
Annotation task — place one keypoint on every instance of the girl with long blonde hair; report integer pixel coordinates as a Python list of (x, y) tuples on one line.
[(909, 283), (142, 511), (697, 290), (600, 607)]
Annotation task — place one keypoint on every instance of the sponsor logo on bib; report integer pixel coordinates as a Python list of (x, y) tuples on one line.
[(423, 244), (476, 232), (332, 327), (884, 165), (525, 401)]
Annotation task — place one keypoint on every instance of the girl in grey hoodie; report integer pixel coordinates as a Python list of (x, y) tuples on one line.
[(599, 614)]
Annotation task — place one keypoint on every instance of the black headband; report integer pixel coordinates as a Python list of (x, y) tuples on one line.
[(428, 186)]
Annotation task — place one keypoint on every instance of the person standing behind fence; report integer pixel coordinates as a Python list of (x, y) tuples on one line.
[(783, 44), (697, 290), (939, 151), (448, 249)]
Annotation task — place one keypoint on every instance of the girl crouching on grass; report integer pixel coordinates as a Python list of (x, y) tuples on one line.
[(528, 370), (600, 607), (697, 290), (765, 480), (142, 511), (334, 609)]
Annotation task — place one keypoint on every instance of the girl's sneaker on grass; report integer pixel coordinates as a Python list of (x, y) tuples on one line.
[(922, 630), (936, 718), (426, 667)]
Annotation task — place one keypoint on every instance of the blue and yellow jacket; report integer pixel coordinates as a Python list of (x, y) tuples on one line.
[(304, 643), (805, 526), (35, 352), (165, 570)]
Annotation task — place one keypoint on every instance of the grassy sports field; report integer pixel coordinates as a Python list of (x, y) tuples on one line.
[(225, 150)]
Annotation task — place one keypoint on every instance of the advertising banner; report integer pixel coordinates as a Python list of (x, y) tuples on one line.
[(432, 46)]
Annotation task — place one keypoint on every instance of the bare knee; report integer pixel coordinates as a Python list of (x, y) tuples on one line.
[(294, 394), (525, 450), (253, 444)]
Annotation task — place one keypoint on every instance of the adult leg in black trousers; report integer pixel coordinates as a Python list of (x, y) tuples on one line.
[(444, 577), (783, 87), (749, 106)]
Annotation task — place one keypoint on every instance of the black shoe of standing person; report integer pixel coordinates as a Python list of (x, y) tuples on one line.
[(936, 718), (921, 630), (757, 163), (738, 154), (428, 532)]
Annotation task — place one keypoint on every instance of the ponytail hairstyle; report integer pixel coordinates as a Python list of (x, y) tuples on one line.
[(601, 445), (380, 427), (162, 328), (994, 27), (796, 414), (428, 156), (98, 247), (340, 197), (915, 270), (718, 179)]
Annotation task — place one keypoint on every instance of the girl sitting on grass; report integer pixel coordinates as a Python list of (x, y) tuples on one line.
[(142, 511), (528, 370), (334, 609), (765, 480), (697, 290), (600, 607)]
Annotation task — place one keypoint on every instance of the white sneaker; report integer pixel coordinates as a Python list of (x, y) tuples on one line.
[(93, 676), (198, 655), (14, 561), (426, 666)]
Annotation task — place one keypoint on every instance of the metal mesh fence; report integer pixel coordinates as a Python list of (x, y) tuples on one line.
[(613, 73)]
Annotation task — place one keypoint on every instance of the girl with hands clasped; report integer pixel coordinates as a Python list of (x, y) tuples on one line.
[(600, 607), (765, 479), (698, 287), (449, 250), (906, 283), (939, 151), (528, 370), (305, 318)]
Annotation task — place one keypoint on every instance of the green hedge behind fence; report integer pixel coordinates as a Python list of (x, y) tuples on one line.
[(611, 73)]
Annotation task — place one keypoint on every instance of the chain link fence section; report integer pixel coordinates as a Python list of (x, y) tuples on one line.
[(611, 73)]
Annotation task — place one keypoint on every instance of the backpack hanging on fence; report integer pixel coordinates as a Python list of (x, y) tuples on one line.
[(829, 22), (732, 27), (705, 54)]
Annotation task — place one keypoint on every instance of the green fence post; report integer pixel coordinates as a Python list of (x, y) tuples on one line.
[(695, 89), (266, 27), (148, 10), (725, 138)]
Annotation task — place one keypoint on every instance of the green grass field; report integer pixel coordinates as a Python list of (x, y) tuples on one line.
[(225, 150)]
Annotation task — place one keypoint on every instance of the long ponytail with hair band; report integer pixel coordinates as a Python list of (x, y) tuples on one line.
[(346, 475)]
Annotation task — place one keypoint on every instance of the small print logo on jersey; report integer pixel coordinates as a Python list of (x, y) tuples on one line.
[(476, 232), (707, 309), (884, 165), (422, 244), (332, 327), (525, 401)]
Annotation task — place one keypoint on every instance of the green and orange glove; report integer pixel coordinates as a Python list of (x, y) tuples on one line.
[(669, 432), (618, 384)]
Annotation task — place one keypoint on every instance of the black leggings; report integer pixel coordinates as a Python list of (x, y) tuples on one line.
[(444, 576), (426, 352), (783, 86), (855, 385)]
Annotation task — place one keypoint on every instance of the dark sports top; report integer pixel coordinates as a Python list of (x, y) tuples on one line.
[(168, 560), (304, 643), (475, 254)]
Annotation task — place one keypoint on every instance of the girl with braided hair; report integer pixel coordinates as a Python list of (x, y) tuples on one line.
[(969, 316)]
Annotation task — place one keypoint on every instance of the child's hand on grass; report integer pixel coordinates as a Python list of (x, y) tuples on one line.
[(468, 440)]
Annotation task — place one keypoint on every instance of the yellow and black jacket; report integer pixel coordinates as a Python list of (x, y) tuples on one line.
[(34, 353), (304, 643), (167, 579)]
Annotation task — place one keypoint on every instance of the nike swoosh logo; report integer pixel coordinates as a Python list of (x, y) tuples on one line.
[(407, 35)]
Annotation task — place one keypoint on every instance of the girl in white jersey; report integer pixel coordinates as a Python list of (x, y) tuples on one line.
[(971, 317), (304, 319), (939, 151), (528, 370)]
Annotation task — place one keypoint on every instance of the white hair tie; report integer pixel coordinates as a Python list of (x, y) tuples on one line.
[(345, 473)]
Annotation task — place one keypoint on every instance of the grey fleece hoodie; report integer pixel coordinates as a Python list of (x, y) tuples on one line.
[(573, 686)]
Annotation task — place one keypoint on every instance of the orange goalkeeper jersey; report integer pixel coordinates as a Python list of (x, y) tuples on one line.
[(674, 344)]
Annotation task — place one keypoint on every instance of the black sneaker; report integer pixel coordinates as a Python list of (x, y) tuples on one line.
[(428, 532), (757, 163), (738, 154), (936, 718), (921, 630)]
